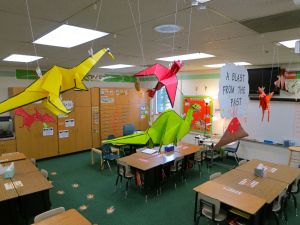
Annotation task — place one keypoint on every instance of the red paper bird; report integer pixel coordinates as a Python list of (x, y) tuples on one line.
[(166, 77), (264, 102), (28, 119)]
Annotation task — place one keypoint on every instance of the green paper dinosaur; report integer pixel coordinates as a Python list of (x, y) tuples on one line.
[(168, 128)]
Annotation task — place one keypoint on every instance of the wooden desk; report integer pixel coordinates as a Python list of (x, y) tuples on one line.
[(13, 156), (265, 188), (188, 149), (283, 173), (32, 182), (7, 194), (69, 217), (227, 195), (23, 166)]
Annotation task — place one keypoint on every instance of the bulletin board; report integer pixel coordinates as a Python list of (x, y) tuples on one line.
[(202, 119)]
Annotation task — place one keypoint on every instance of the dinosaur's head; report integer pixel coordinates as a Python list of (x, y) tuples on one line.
[(109, 53), (196, 107)]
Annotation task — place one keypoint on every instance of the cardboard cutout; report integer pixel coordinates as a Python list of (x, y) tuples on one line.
[(264, 101), (51, 84), (166, 77), (233, 132), (28, 119), (168, 128)]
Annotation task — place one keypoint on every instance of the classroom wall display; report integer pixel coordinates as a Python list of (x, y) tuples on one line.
[(233, 91), (202, 119)]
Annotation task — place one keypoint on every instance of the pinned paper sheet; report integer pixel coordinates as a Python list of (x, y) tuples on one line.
[(48, 131), (9, 186), (69, 123), (63, 133)]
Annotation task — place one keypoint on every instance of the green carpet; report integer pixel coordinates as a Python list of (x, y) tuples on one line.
[(173, 206)]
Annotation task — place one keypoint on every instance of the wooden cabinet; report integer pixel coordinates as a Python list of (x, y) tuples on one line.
[(83, 128), (7, 146)]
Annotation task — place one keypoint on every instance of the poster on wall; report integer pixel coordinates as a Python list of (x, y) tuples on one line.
[(202, 119), (48, 131), (233, 91)]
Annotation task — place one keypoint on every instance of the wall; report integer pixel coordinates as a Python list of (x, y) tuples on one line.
[(188, 86)]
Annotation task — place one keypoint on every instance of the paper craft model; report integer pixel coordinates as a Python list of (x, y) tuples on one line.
[(168, 128), (233, 132), (28, 119), (51, 84), (264, 101), (166, 77)]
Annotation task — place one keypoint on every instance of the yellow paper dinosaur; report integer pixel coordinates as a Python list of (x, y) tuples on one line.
[(51, 84)]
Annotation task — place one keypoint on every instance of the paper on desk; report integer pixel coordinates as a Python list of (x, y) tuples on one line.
[(149, 151), (18, 184), (9, 186)]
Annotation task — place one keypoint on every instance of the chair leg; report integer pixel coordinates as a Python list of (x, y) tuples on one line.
[(295, 203), (109, 166), (236, 158), (117, 181), (126, 191), (276, 218)]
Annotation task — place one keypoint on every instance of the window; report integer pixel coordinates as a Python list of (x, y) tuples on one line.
[(162, 101)]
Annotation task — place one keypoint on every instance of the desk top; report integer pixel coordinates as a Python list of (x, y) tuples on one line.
[(23, 166), (69, 217), (28, 183), (225, 194), (13, 156), (7, 190), (187, 149), (294, 148), (275, 171), (261, 187)]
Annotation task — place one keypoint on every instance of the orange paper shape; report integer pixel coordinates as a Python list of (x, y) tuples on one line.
[(264, 101)]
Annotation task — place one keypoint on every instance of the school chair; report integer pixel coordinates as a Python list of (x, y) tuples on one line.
[(48, 214), (279, 207), (123, 171), (233, 148), (215, 175)]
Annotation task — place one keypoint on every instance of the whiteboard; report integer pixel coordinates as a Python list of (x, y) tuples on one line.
[(284, 122)]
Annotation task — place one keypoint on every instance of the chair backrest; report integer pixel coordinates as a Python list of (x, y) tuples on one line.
[(122, 168), (128, 129), (242, 162), (106, 148), (33, 160), (234, 145), (178, 162), (48, 214), (214, 204), (44, 173), (215, 175), (279, 202), (296, 185)]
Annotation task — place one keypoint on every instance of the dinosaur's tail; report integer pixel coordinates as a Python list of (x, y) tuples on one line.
[(138, 139)]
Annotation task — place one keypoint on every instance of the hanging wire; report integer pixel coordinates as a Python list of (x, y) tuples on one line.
[(141, 35), (97, 21), (189, 34), (175, 22), (136, 29), (30, 24), (274, 54)]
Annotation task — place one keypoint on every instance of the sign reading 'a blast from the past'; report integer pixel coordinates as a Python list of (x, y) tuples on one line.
[(233, 91)]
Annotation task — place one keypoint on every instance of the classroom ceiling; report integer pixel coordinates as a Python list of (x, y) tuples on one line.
[(232, 30)]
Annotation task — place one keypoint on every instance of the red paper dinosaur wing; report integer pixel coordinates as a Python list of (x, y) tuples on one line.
[(157, 69), (171, 86)]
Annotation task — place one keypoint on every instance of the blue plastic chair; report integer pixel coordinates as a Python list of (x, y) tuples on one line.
[(107, 155), (233, 150), (128, 129)]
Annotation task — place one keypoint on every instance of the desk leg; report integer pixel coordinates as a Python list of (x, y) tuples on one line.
[(196, 206)]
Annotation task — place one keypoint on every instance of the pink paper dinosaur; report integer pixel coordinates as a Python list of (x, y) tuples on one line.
[(166, 77)]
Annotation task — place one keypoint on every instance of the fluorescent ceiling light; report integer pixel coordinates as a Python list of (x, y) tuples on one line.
[(69, 36), (186, 57), (116, 66), (22, 58), (289, 44), (223, 64)]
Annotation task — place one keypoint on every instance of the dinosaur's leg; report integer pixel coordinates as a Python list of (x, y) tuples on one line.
[(268, 114)]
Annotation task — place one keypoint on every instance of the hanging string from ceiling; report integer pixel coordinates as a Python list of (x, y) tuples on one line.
[(189, 32), (138, 32), (96, 24), (275, 54), (38, 69), (175, 22)]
